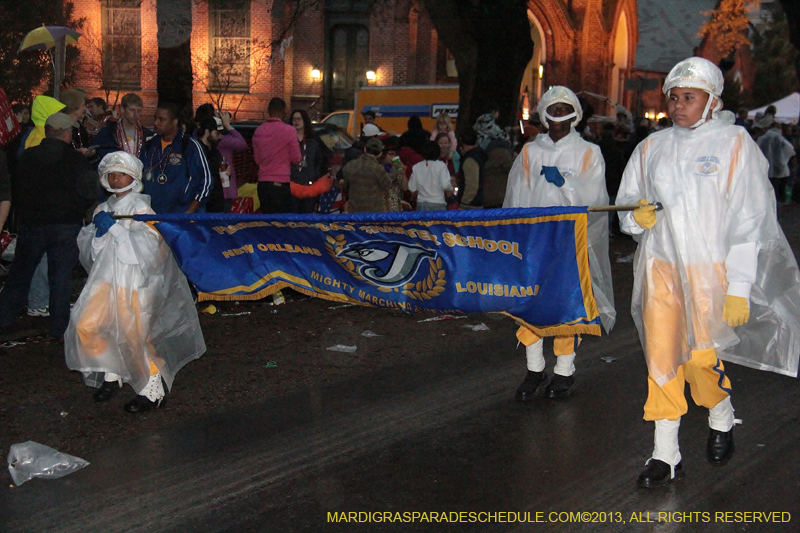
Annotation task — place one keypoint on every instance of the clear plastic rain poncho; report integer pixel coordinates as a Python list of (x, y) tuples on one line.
[(582, 166), (718, 202), (136, 305), (778, 152)]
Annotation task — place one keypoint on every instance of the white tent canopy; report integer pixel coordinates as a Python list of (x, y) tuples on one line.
[(788, 109)]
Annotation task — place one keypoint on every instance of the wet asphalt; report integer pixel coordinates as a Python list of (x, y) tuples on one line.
[(444, 435)]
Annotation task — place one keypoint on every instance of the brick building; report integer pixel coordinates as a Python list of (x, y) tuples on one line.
[(670, 33), (585, 44)]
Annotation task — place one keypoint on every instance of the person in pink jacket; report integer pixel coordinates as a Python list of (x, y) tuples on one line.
[(275, 149), (445, 125)]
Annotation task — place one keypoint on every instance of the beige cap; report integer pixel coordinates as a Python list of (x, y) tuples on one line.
[(374, 145), (60, 121)]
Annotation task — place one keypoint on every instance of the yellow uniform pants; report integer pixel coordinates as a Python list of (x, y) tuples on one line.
[(707, 381), (665, 338), (562, 344), (99, 316)]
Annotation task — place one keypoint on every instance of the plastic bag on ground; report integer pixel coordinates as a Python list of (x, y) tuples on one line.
[(370, 334), (477, 327), (31, 459), (342, 348), (441, 317)]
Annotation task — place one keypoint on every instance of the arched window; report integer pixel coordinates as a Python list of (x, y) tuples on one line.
[(533, 79), (620, 70)]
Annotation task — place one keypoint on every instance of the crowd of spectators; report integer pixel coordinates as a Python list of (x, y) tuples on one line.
[(188, 166)]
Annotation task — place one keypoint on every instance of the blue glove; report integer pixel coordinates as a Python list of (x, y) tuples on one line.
[(103, 222), (552, 175)]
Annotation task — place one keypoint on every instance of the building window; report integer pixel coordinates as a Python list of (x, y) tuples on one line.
[(229, 49), (122, 44)]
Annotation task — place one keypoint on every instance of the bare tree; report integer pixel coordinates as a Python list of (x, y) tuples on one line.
[(235, 62), (228, 72), (114, 66)]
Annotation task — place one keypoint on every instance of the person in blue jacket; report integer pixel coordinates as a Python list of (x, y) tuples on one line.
[(176, 172), (126, 134)]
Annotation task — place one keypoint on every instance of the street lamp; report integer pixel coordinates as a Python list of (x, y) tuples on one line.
[(316, 75), (371, 76)]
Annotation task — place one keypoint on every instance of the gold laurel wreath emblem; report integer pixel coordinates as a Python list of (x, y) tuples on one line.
[(430, 287), (334, 245)]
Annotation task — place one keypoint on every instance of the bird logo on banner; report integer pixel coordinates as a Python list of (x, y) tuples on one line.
[(387, 263)]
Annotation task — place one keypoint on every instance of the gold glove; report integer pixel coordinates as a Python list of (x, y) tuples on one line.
[(736, 310), (645, 216)]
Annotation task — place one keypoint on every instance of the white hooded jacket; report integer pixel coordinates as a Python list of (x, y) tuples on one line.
[(583, 169), (135, 288)]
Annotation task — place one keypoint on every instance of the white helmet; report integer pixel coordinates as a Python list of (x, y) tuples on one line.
[(558, 94), (121, 162), (697, 73)]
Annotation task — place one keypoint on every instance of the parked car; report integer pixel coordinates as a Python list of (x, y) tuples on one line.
[(334, 137), (343, 119)]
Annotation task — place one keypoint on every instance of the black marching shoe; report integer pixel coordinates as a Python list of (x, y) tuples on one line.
[(143, 403), (720, 447), (532, 383), (107, 390), (657, 473), (560, 387)]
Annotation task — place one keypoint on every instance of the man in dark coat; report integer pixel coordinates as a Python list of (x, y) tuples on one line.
[(57, 186)]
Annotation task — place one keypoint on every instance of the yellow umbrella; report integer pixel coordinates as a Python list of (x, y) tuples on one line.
[(45, 37), (48, 37)]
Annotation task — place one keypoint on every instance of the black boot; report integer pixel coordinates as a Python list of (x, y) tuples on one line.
[(107, 390), (141, 404), (720, 447), (560, 387), (658, 473), (532, 383)]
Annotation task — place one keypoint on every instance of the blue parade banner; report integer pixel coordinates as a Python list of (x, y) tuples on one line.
[(531, 264)]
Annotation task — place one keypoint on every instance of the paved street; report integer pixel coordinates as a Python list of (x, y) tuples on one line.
[(441, 435)]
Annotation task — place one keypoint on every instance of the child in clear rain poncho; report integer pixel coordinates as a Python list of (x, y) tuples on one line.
[(714, 277), (559, 168), (135, 321)]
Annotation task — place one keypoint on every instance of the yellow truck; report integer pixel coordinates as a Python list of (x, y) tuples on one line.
[(393, 106)]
